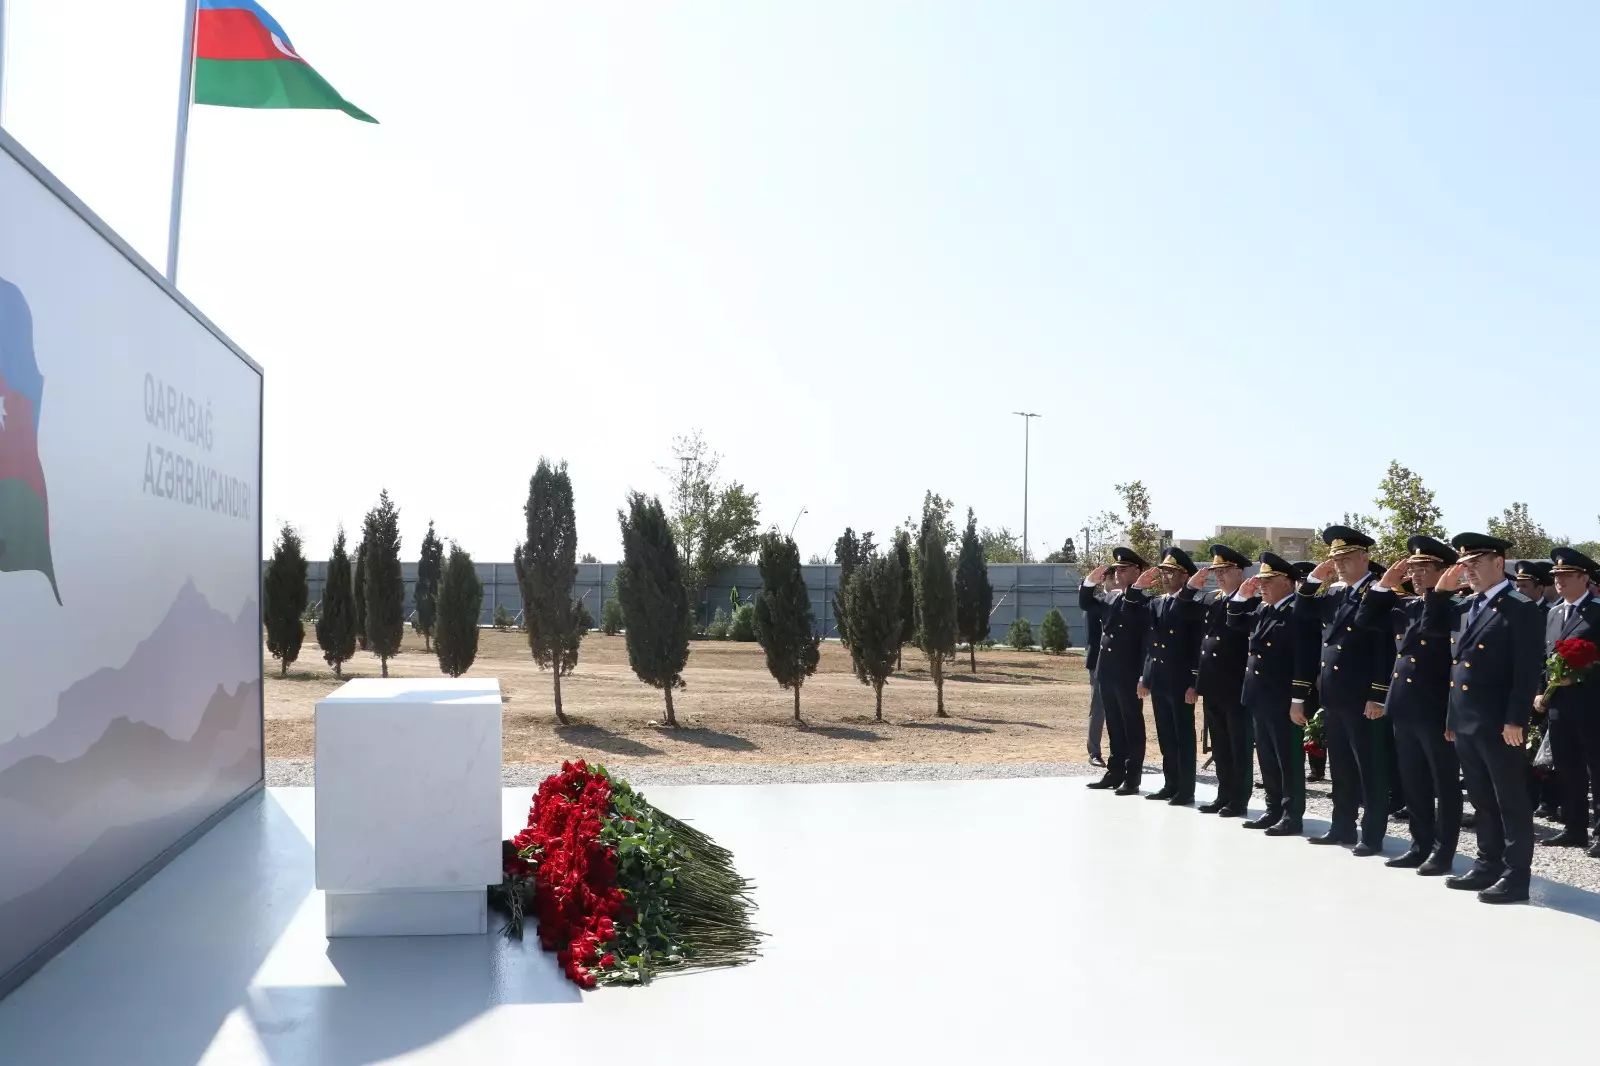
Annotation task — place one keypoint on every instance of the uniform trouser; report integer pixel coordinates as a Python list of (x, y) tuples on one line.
[(1280, 745), (1431, 775), (1116, 762), (1397, 792), (1097, 717), (1175, 732), (1124, 715), (1575, 744), (1359, 764), (1497, 783), (1231, 742)]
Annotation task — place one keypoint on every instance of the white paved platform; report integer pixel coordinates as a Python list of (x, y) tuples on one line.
[(960, 922)]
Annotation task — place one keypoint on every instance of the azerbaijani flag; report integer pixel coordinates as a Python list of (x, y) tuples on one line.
[(242, 58), (24, 511)]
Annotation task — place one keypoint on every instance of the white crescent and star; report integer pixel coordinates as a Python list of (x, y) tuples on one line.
[(281, 45), (2, 412)]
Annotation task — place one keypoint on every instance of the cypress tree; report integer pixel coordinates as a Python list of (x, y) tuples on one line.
[(655, 605), (285, 594), (1053, 636), (545, 569), (908, 593), (361, 590), (455, 639), (875, 622), (936, 602), (386, 584), (785, 625), (846, 553), (336, 626), (429, 565), (974, 594)]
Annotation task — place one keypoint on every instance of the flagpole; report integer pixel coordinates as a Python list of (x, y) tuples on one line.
[(185, 99)]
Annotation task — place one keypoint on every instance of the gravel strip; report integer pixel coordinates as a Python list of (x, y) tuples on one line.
[(1569, 866)]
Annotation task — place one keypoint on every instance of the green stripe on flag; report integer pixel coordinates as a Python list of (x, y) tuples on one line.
[(24, 531), (267, 83)]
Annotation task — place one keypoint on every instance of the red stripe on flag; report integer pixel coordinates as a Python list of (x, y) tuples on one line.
[(19, 448), (236, 33)]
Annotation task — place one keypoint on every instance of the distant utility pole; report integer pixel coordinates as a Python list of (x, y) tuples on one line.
[(1027, 422)]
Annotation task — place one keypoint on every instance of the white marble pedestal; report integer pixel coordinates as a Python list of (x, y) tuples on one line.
[(408, 805)]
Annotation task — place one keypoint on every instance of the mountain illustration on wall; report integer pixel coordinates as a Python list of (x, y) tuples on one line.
[(137, 756)]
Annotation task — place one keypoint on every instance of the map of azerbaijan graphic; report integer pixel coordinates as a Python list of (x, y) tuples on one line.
[(24, 507)]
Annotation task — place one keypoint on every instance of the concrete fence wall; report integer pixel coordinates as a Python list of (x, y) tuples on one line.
[(1020, 591)]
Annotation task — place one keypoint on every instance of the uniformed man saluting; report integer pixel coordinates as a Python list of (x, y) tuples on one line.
[(1419, 688), (1276, 683), (1219, 677), (1496, 664), (1353, 681), (1122, 645), (1171, 650)]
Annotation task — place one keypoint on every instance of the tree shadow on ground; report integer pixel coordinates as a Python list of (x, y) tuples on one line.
[(599, 738), (948, 727), (842, 732), (708, 738), (1006, 721), (999, 677)]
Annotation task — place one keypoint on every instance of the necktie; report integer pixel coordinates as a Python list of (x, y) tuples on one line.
[(1566, 614), (1477, 605)]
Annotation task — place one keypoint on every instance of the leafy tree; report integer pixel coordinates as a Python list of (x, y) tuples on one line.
[(611, 619), (386, 584), (1144, 536), (501, 618), (1406, 509), (1528, 538), (875, 622), (817, 559), (429, 565), (285, 593), (936, 600), (361, 590), (588, 557), (1067, 553), (941, 508), (460, 607), (714, 523), (1102, 533), (1245, 544), (848, 551), (1053, 635), (974, 594), (1000, 545), (908, 594), (784, 623), (336, 628), (545, 568), (1020, 634), (655, 603), (742, 625), (718, 629)]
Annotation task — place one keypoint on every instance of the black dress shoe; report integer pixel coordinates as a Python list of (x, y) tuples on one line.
[(1095, 760), (1333, 836), (1232, 812), (1566, 839), (1512, 888), (1127, 790), (1474, 880), (1211, 808), (1408, 861), (1469, 819), (1266, 821), (1437, 865), (1594, 852), (1399, 814), (1162, 794), (1288, 827), (1363, 849), (1181, 801), (1545, 811), (1106, 782)]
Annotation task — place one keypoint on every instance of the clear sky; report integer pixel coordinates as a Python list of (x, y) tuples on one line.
[(1246, 252)]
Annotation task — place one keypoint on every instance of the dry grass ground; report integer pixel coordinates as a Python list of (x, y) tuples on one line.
[(1018, 707)]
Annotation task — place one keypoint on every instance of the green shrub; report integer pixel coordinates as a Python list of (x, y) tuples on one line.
[(718, 629), (743, 626), (1020, 635), (502, 617), (585, 620), (1053, 633), (611, 617)]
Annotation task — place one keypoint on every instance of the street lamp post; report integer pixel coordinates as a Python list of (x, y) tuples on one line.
[(1027, 422), (796, 523)]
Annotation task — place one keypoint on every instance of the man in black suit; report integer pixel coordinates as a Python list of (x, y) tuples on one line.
[(1353, 680), (1574, 708), (1123, 621), (1534, 580), (1097, 707), (1276, 685), (1496, 664), (1419, 688), (1219, 678), (1172, 646)]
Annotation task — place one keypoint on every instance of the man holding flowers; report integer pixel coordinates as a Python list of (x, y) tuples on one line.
[(1571, 699)]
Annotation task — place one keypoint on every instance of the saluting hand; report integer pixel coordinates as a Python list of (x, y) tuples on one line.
[(1513, 735), (1395, 574), (1146, 579), (1323, 571), (1251, 588), (1198, 580), (1451, 579), (1097, 575)]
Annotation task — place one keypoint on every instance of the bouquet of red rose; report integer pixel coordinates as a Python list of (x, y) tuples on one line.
[(1315, 732), (1571, 663), (621, 890)]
